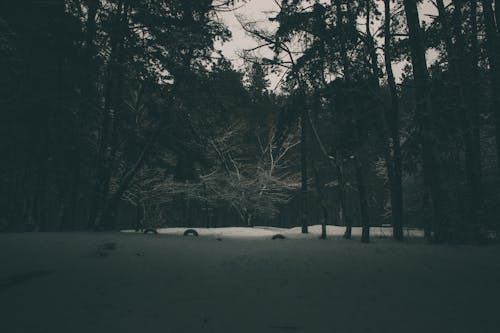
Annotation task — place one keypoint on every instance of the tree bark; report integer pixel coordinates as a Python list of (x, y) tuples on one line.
[(322, 202), (497, 14), (363, 204), (477, 195), (469, 115), (393, 157), (207, 213), (354, 113), (344, 218), (431, 160), (393, 120), (303, 165), (456, 68), (347, 80), (88, 103), (112, 102), (492, 46), (320, 189)]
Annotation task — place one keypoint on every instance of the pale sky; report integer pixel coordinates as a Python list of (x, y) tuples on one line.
[(260, 11)]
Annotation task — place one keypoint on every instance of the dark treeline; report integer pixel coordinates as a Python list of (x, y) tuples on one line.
[(122, 113)]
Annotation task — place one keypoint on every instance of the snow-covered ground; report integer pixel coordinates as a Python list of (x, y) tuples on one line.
[(126, 282), (268, 232)]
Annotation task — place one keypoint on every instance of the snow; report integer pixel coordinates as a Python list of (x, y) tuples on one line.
[(127, 282), (268, 232)]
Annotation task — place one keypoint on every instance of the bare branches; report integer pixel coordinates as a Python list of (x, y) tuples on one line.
[(252, 187)]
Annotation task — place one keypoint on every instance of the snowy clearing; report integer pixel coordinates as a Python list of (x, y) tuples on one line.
[(268, 232), (118, 282)]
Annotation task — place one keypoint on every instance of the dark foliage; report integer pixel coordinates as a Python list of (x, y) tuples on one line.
[(121, 113)]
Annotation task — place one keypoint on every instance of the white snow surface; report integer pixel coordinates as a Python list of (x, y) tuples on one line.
[(267, 232), (126, 282)]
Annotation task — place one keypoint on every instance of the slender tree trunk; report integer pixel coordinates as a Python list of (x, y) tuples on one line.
[(354, 113), (492, 46), (469, 115), (322, 202), (497, 14), (303, 163), (363, 204), (75, 184), (207, 213), (320, 190), (477, 195), (343, 217), (340, 166), (43, 174), (114, 87), (457, 66), (88, 103), (458, 101), (139, 216), (248, 219), (117, 104), (360, 176), (393, 120), (431, 160), (426, 207)]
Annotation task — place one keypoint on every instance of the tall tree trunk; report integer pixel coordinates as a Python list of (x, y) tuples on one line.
[(363, 203), (139, 216), (303, 165), (41, 204), (469, 115), (112, 102), (389, 121), (431, 160), (492, 45), (476, 192), (75, 183), (352, 109), (343, 215), (360, 176), (354, 113), (88, 103), (322, 202), (338, 167), (205, 202), (393, 120), (497, 14), (320, 189), (88, 100), (456, 68)]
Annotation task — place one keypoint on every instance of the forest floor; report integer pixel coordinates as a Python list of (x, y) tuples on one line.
[(225, 282)]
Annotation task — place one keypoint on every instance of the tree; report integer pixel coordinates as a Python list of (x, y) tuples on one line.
[(108, 104), (392, 118), (430, 156), (492, 47)]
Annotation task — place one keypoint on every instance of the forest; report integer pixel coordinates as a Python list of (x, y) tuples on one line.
[(125, 114)]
